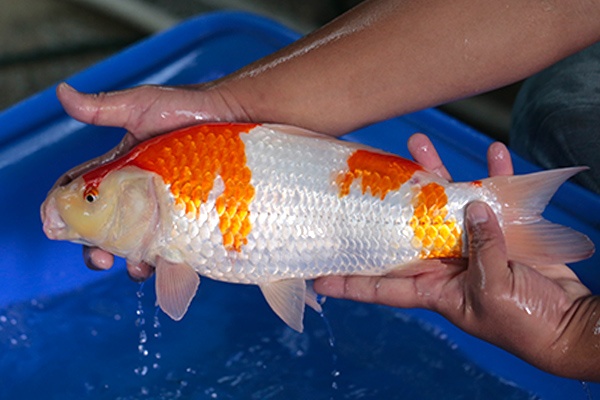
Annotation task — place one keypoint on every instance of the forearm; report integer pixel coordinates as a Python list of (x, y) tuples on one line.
[(389, 57)]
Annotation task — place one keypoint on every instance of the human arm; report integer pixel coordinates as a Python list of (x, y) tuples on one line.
[(382, 58), (542, 314)]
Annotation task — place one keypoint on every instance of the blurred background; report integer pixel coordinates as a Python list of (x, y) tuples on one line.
[(44, 41)]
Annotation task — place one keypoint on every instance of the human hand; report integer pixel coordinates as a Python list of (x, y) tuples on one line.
[(541, 313), (144, 111)]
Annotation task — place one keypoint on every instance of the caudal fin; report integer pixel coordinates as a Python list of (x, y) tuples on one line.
[(530, 238)]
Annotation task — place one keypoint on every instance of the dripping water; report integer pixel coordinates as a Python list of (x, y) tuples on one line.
[(148, 338), (586, 390), (140, 323), (335, 372)]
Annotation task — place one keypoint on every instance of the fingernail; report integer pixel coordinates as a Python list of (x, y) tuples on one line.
[(477, 213), (66, 86)]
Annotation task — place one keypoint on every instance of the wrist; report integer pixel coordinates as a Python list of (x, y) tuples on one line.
[(576, 353)]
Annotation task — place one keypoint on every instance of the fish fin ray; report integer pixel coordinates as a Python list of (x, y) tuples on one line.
[(529, 237), (176, 286), (543, 242), (286, 298), (311, 298)]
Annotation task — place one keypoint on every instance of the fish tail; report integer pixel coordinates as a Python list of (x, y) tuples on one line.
[(530, 238)]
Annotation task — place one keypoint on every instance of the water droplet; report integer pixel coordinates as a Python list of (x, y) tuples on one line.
[(142, 350), (335, 373), (586, 390), (88, 387)]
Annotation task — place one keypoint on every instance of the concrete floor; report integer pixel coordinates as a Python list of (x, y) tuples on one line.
[(44, 41)]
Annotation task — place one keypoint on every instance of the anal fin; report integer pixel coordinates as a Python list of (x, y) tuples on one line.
[(176, 285)]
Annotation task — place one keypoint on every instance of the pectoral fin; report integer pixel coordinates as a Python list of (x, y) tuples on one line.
[(176, 285), (286, 298)]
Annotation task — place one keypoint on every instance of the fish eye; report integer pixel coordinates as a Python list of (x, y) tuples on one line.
[(90, 195)]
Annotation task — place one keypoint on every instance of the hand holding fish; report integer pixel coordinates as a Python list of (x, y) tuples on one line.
[(543, 314)]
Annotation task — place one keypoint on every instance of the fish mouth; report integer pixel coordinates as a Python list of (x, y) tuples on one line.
[(54, 226)]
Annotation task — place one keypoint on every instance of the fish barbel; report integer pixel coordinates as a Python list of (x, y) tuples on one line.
[(275, 205)]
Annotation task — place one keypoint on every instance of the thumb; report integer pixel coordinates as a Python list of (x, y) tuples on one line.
[(144, 111), (487, 268)]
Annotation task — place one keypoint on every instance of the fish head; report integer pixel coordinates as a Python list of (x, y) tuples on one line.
[(117, 213)]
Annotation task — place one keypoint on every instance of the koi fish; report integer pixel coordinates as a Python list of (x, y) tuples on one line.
[(275, 206)]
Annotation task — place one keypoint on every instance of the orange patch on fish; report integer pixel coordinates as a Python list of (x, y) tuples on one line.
[(378, 173), (190, 161), (436, 236)]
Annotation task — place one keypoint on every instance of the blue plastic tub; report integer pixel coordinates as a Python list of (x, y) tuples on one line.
[(67, 332)]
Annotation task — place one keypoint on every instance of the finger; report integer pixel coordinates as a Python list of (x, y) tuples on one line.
[(139, 272), (395, 292), (423, 151), (395, 289), (499, 160), (106, 109), (97, 259), (488, 266), (144, 111)]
